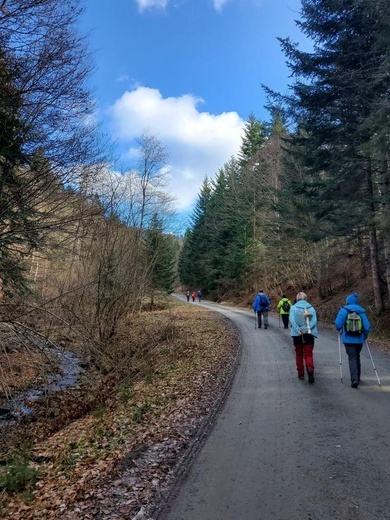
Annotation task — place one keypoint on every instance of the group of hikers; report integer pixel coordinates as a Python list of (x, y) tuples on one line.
[(351, 322), (194, 295)]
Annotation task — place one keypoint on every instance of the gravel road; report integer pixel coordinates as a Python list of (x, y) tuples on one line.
[(282, 449)]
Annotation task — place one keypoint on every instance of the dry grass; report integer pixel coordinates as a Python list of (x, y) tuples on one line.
[(172, 368)]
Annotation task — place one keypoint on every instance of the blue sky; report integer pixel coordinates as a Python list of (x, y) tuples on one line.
[(189, 72)]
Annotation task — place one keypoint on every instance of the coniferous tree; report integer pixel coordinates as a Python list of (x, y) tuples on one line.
[(161, 252), (46, 132), (16, 206), (196, 244), (333, 97), (184, 262), (254, 135)]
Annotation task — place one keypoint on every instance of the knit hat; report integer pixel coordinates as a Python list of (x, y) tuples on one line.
[(301, 296)]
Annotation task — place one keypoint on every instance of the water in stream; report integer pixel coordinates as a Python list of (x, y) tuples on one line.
[(68, 374)]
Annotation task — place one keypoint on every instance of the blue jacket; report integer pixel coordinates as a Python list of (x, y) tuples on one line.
[(257, 306), (341, 317), (298, 319)]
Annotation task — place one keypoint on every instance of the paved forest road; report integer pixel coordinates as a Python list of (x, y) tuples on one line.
[(282, 449)]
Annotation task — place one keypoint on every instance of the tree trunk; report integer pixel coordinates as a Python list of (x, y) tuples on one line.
[(362, 256), (375, 271), (374, 245), (385, 219)]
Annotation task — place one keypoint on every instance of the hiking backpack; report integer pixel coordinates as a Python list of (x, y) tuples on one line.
[(263, 300), (286, 306), (353, 323)]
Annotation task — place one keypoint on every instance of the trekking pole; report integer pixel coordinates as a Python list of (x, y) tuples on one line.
[(372, 361), (341, 366), (307, 319), (279, 320)]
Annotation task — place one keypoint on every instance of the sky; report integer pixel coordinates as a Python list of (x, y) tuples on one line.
[(190, 73)]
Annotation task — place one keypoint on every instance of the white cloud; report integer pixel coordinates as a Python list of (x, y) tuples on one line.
[(143, 5), (199, 143), (123, 78), (218, 4), (149, 4)]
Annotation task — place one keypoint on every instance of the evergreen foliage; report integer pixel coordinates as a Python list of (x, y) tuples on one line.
[(339, 106), (255, 133), (46, 134), (161, 254), (337, 90)]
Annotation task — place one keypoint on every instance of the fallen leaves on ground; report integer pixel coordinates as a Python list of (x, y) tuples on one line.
[(120, 461)]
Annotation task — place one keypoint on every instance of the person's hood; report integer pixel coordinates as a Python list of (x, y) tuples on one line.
[(352, 299), (302, 304)]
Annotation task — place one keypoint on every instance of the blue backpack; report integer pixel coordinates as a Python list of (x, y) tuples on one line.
[(263, 300)]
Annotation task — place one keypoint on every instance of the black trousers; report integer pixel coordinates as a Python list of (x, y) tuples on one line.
[(285, 318), (353, 352)]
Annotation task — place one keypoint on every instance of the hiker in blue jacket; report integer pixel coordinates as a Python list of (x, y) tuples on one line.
[(261, 306), (303, 320), (353, 341)]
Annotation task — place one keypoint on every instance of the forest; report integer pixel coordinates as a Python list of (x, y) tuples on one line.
[(86, 260), (306, 201)]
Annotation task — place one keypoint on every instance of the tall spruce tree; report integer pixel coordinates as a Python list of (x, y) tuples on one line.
[(193, 258), (255, 133), (336, 90), (161, 251), (227, 221), (17, 209)]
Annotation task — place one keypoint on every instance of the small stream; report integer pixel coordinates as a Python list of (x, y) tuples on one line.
[(68, 375)]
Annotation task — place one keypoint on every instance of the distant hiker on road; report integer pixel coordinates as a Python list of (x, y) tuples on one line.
[(193, 296), (261, 306), (352, 322), (303, 319), (188, 295), (199, 295), (284, 307)]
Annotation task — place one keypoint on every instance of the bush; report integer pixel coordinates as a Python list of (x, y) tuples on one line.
[(17, 475)]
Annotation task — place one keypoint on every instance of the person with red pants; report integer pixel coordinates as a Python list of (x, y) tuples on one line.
[(303, 320)]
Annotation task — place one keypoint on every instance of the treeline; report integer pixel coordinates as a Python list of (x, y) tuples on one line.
[(306, 201), (81, 247)]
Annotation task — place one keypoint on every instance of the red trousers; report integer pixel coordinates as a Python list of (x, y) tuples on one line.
[(304, 352)]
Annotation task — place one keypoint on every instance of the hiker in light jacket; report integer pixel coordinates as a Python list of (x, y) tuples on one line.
[(353, 342), (284, 307), (261, 307), (303, 319)]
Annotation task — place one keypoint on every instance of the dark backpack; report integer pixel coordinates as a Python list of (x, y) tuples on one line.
[(353, 323), (286, 306)]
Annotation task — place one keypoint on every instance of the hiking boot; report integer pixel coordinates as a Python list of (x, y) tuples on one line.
[(266, 326), (310, 374), (301, 378), (355, 384)]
